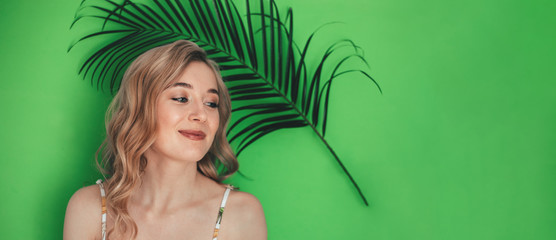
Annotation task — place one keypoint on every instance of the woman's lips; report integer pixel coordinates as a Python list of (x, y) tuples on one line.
[(193, 134)]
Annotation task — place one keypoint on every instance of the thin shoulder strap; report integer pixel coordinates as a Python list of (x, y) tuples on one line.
[(103, 199), (220, 212)]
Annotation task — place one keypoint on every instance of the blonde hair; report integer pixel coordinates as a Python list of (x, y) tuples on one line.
[(131, 126)]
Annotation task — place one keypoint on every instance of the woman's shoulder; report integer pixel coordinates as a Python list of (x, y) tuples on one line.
[(83, 214), (245, 201), (245, 216)]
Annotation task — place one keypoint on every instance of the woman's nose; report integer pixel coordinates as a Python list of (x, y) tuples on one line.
[(197, 113)]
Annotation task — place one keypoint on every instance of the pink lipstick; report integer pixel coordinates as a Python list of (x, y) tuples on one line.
[(193, 134)]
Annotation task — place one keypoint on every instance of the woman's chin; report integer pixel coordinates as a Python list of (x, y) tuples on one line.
[(191, 156)]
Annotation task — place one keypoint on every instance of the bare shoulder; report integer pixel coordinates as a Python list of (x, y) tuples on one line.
[(83, 214), (246, 202), (243, 217)]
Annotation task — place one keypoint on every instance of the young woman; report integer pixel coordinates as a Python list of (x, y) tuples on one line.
[(165, 155)]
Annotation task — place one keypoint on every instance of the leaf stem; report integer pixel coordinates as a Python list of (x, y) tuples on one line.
[(341, 165)]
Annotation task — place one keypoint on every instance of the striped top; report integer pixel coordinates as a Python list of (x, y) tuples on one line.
[(218, 219)]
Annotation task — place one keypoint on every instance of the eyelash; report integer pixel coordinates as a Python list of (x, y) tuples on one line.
[(180, 99), (184, 100), (212, 105)]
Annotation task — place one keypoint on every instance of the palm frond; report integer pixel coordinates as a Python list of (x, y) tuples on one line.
[(264, 69)]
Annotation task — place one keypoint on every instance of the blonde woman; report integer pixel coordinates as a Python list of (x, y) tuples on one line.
[(164, 148)]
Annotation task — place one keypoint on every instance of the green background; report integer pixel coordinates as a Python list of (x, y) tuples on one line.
[(459, 146)]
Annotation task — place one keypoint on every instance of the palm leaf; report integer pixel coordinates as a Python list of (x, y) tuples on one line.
[(264, 69)]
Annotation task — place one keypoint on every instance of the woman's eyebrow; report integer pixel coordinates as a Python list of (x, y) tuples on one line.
[(182, 84), (187, 85)]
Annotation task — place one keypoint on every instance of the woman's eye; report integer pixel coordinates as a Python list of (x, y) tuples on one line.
[(180, 99), (212, 104)]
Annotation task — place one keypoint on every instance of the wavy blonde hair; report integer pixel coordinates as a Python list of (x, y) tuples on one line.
[(131, 126)]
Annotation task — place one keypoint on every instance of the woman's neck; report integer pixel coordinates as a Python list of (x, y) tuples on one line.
[(166, 184)]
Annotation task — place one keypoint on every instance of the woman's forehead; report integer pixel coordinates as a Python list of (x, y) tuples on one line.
[(196, 75), (188, 85)]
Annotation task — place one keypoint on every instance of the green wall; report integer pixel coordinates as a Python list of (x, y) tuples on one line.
[(459, 146)]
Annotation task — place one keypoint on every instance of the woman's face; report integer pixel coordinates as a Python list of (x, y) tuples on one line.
[(187, 116)]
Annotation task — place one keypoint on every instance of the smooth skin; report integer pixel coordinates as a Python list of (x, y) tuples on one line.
[(174, 200)]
